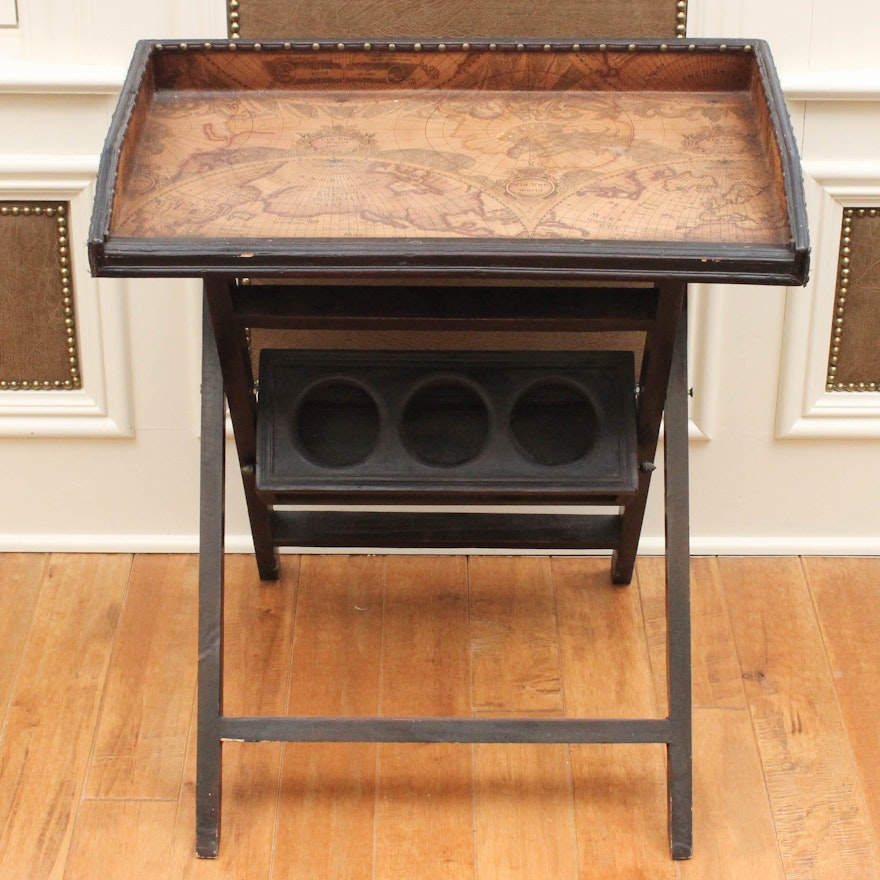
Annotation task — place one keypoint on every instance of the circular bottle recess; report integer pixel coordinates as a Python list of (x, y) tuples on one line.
[(554, 422), (336, 424), (445, 423)]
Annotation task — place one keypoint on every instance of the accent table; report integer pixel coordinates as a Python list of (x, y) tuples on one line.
[(506, 185)]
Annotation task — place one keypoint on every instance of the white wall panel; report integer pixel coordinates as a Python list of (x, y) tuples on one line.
[(778, 464), (102, 406)]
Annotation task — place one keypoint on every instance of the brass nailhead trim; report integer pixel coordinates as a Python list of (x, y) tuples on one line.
[(234, 20), (681, 14), (850, 216), (59, 212)]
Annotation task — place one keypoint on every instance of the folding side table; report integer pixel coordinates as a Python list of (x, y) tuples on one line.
[(501, 185)]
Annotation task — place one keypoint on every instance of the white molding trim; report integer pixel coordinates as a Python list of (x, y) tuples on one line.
[(102, 407), (8, 14), (805, 409), (746, 545), (832, 85), (32, 78)]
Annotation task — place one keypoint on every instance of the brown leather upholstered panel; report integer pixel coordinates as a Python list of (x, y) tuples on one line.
[(456, 18), (38, 343), (854, 361)]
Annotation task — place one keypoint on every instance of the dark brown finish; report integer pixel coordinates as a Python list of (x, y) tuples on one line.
[(679, 761), (211, 592), (238, 386), (200, 177), (318, 529), (854, 359), (465, 19), (342, 200), (526, 531), (656, 363), (454, 427), (38, 350)]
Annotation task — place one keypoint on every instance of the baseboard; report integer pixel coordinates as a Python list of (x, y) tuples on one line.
[(650, 546)]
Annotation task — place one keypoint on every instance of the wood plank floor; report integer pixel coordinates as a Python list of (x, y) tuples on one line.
[(97, 694)]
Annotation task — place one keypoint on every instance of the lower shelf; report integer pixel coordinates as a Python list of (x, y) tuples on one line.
[(476, 427), (504, 531)]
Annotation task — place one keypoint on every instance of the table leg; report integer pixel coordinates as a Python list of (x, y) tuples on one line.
[(211, 552), (653, 382), (238, 383), (679, 750)]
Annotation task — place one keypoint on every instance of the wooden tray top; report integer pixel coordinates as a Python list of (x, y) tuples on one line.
[(620, 158)]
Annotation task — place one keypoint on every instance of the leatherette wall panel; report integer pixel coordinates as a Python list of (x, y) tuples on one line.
[(456, 18), (38, 342), (854, 359)]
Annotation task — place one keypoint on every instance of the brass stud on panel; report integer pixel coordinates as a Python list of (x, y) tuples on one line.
[(850, 215), (58, 213)]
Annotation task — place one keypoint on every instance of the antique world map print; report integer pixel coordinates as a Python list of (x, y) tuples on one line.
[(649, 165)]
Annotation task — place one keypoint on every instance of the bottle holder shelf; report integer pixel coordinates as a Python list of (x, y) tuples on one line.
[(466, 426)]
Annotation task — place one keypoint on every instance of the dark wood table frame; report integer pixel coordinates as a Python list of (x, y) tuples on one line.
[(155, 215), (659, 310)]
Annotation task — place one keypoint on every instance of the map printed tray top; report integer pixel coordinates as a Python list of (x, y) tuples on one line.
[(554, 160)]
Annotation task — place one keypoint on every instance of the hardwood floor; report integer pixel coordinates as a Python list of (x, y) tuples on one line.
[(97, 691)]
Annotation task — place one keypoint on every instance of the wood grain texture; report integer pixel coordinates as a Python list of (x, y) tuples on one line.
[(605, 660), (524, 812), (22, 578), (258, 631), (142, 736), (425, 671), (430, 788), (51, 722), (733, 823), (251, 786), (607, 673), (117, 840), (847, 597), (717, 681), (514, 640), (779, 782), (819, 809), (328, 793)]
